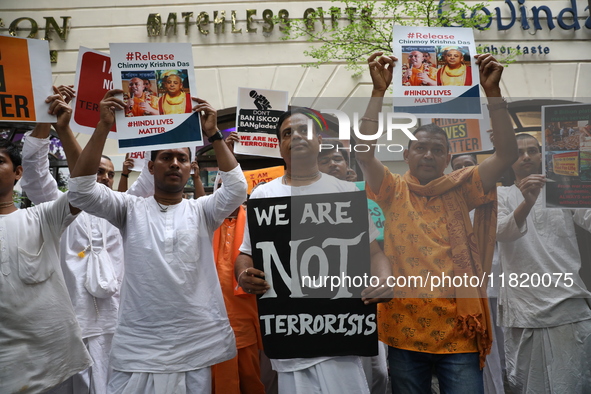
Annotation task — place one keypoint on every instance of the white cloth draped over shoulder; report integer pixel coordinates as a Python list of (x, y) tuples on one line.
[(96, 316)]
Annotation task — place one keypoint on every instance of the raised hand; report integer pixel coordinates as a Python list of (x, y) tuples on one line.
[(490, 74), (195, 167), (127, 164), (381, 69), (232, 139), (108, 105), (67, 92), (59, 108), (209, 116)]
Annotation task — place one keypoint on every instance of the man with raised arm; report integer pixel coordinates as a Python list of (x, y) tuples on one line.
[(172, 322), (40, 340), (88, 243), (428, 233), (545, 309)]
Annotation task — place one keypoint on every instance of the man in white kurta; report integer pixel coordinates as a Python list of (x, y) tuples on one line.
[(172, 320), (547, 328), (88, 234), (40, 340)]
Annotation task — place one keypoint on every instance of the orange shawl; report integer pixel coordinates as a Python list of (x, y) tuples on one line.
[(238, 235), (472, 252)]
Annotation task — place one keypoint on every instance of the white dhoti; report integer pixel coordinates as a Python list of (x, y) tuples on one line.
[(190, 382), (343, 375), (549, 360), (94, 379)]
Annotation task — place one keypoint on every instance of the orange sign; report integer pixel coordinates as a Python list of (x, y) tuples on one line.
[(254, 177), (25, 80), (16, 100), (463, 134)]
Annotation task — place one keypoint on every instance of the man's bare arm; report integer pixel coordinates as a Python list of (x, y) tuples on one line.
[(199, 189), (382, 269), (58, 105), (380, 68), (503, 134), (90, 158), (125, 171)]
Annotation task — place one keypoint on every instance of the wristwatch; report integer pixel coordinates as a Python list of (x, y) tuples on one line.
[(217, 136)]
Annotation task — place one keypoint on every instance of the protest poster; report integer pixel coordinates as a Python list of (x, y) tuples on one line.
[(140, 160), (305, 245), (467, 135), (158, 81), (254, 177), (566, 149), (93, 79), (25, 80), (437, 76), (257, 113)]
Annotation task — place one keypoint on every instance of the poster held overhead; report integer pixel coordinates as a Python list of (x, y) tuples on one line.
[(437, 75), (25, 80), (158, 82), (256, 120), (93, 80)]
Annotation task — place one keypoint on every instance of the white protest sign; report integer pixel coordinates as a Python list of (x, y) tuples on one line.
[(158, 82), (256, 120)]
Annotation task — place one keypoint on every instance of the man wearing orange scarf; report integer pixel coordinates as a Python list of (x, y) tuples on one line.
[(428, 234)]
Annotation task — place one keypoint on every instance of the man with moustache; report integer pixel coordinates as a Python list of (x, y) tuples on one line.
[(172, 322), (428, 232)]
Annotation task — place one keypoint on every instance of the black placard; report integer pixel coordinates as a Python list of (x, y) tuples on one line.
[(319, 236)]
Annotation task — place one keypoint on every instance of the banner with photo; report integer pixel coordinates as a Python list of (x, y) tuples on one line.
[(297, 241), (25, 80), (566, 149), (158, 81), (257, 113), (93, 79), (436, 75)]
